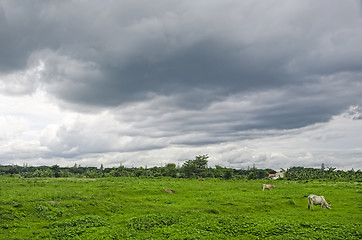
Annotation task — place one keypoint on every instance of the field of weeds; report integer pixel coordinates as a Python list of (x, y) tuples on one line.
[(140, 208)]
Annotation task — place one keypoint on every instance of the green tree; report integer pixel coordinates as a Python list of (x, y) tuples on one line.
[(258, 174), (228, 173), (139, 172), (196, 167), (65, 173), (170, 170), (218, 171), (56, 170)]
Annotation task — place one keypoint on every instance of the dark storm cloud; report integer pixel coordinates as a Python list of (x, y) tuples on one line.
[(232, 118), (297, 63), (200, 67)]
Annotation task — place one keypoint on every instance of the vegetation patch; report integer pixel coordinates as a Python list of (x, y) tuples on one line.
[(147, 222), (70, 229), (139, 208)]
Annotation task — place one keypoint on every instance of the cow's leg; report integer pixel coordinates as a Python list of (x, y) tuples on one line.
[(309, 204)]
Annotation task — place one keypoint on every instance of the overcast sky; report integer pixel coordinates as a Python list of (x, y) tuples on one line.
[(273, 84)]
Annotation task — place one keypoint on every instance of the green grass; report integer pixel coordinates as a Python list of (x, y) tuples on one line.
[(133, 208)]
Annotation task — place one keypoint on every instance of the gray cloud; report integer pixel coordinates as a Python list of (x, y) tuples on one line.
[(182, 72), (170, 47)]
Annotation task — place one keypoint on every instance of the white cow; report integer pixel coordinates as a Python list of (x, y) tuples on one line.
[(318, 200), (267, 186)]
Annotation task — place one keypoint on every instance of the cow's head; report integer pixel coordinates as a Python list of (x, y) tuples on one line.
[(328, 205)]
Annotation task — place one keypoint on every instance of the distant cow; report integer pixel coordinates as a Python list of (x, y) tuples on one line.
[(267, 186), (318, 200), (169, 190)]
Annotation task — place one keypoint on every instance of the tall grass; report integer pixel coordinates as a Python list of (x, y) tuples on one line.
[(134, 208)]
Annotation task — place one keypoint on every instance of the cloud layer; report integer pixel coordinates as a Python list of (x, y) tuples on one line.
[(150, 81)]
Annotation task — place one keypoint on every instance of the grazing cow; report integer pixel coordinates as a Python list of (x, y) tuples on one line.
[(267, 186), (318, 200)]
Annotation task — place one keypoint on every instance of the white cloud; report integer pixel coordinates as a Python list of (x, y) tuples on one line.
[(22, 82), (11, 127)]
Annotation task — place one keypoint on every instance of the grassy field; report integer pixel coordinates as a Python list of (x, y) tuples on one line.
[(133, 208)]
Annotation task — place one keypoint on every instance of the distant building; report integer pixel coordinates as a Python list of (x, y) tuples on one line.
[(271, 175), (277, 175)]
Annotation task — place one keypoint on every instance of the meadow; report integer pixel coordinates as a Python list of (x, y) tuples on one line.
[(140, 208)]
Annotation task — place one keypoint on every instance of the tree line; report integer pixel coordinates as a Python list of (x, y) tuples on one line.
[(301, 173), (196, 168)]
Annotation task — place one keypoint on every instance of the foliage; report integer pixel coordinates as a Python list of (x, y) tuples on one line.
[(196, 168), (258, 174), (301, 173)]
